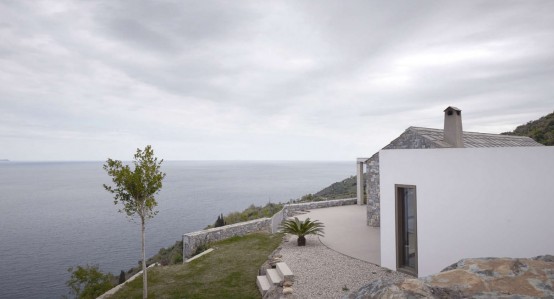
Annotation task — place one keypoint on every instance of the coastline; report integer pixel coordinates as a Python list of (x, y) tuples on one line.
[(63, 207), (173, 254)]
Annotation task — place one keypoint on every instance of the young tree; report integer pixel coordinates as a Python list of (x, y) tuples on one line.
[(121, 277), (220, 221), (135, 190)]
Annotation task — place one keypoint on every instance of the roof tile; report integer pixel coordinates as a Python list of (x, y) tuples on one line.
[(473, 139)]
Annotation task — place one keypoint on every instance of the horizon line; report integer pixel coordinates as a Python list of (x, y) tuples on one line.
[(176, 160)]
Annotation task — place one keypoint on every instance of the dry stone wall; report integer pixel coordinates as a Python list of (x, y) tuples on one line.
[(193, 240), (373, 192), (289, 210), (407, 140)]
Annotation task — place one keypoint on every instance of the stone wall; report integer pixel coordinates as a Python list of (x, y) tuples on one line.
[(373, 194), (114, 290), (289, 210), (276, 221), (407, 140), (193, 240)]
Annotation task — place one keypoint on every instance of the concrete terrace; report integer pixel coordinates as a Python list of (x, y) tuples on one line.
[(346, 232)]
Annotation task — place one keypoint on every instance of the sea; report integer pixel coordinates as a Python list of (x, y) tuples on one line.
[(56, 215)]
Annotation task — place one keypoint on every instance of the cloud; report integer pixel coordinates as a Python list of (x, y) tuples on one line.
[(262, 80)]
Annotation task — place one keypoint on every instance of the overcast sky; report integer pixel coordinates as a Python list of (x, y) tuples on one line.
[(263, 80)]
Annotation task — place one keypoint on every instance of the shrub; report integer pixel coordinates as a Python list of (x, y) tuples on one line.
[(220, 221), (251, 213), (302, 228), (89, 282), (121, 277), (203, 246)]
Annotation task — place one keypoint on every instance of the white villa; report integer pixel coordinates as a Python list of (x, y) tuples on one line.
[(458, 194)]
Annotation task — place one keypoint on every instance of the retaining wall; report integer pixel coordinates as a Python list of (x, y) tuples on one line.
[(276, 221), (289, 210), (193, 240), (114, 290)]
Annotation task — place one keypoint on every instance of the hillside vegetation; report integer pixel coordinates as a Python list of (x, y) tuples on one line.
[(250, 213), (173, 255), (228, 272), (541, 130), (338, 190), (343, 189)]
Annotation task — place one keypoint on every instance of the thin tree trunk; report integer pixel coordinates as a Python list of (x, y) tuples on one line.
[(144, 274)]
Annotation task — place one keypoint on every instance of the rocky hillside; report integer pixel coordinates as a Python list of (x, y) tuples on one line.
[(541, 130), (338, 190), (343, 189), (474, 278)]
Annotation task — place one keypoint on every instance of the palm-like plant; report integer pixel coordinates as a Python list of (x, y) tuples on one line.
[(302, 228)]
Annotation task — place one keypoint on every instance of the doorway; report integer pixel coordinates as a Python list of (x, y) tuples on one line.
[(406, 229)]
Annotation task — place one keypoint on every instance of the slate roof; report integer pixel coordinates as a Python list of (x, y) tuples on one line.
[(473, 139)]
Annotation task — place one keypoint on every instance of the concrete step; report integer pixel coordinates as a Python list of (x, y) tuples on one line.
[(263, 284), (284, 272), (273, 276)]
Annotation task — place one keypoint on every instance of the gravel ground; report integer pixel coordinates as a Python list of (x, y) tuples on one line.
[(320, 272)]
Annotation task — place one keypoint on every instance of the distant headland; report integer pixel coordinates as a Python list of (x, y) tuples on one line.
[(4, 160)]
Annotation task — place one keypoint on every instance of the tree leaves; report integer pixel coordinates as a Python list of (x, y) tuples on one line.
[(88, 282), (135, 189), (541, 130)]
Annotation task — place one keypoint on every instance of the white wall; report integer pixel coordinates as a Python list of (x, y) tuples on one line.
[(471, 202)]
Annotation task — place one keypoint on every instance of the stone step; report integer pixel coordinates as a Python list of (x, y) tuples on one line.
[(284, 272), (273, 276), (263, 284)]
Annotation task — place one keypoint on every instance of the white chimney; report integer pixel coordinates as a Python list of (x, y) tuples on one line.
[(453, 126)]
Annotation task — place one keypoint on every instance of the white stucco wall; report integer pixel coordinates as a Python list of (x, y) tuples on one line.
[(471, 202)]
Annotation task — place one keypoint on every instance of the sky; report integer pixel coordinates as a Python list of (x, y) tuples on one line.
[(263, 80)]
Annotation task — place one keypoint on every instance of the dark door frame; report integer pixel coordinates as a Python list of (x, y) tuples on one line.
[(400, 233)]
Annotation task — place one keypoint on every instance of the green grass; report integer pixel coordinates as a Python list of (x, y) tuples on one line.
[(227, 272)]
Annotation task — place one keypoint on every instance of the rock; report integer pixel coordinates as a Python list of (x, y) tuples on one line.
[(546, 258), (273, 293), (287, 284), (273, 261), (471, 278), (287, 290)]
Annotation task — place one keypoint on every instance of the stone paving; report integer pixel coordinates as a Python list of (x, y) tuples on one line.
[(321, 272), (346, 232), (342, 261)]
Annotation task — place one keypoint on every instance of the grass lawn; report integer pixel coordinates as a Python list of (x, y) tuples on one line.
[(227, 272)]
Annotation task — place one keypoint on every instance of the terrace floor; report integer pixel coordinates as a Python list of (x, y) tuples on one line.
[(346, 232)]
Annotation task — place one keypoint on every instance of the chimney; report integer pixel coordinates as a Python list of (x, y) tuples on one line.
[(453, 126)]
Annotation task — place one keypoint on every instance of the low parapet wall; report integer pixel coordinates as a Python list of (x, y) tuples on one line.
[(193, 240), (289, 210), (114, 290)]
